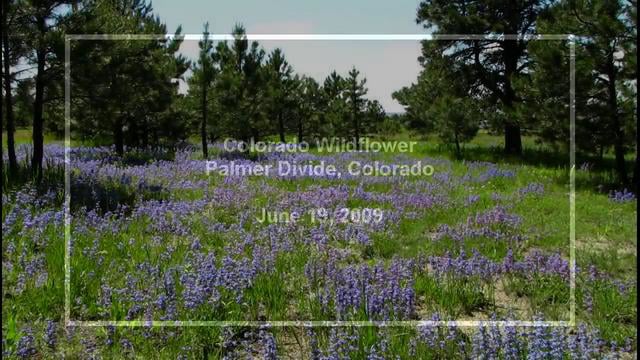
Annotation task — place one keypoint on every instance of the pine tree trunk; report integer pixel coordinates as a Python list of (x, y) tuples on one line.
[(145, 132), (356, 126), (601, 153), (132, 140), (281, 127), (618, 132), (156, 138), (299, 130), (512, 133), (203, 124), (635, 178), (118, 136), (38, 107), (11, 149), (512, 139)]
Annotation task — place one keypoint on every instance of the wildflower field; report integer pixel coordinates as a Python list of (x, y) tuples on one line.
[(306, 180), (154, 239)]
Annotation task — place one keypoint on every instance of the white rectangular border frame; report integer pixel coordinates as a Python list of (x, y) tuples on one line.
[(331, 37)]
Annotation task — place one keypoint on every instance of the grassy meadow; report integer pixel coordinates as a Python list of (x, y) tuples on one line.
[(155, 239)]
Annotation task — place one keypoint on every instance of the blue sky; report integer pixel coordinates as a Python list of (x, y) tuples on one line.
[(328, 16), (387, 65)]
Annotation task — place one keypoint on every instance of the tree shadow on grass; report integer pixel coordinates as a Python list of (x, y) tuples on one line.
[(592, 172)]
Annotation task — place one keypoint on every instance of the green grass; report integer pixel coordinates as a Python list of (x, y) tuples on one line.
[(23, 136), (605, 237)]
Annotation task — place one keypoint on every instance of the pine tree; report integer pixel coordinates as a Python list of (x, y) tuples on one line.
[(140, 74), (279, 82), (449, 108), (11, 51), (241, 86), (205, 73), (497, 64), (334, 89), (44, 25), (354, 92), (605, 70)]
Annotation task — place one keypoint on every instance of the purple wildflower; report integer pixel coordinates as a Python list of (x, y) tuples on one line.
[(622, 196)]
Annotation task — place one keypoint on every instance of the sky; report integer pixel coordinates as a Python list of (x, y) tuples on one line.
[(387, 65)]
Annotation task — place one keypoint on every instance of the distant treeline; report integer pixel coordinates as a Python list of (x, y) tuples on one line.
[(125, 92)]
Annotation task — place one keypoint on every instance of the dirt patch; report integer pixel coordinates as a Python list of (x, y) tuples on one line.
[(506, 304), (293, 344), (602, 244), (518, 307)]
